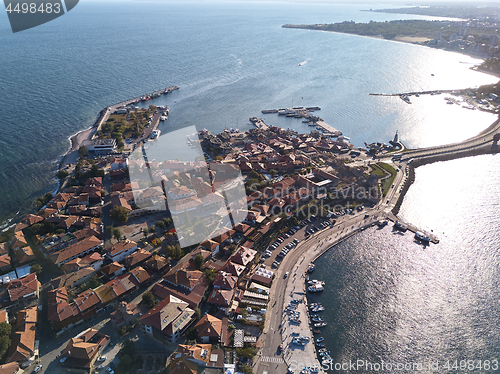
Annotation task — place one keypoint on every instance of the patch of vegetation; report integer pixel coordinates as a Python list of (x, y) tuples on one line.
[(5, 330), (119, 214), (149, 299), (246, 352), (128, 362), (93, 283), (42, 200), (389, 180), (121, 126), (36, 268), (397, 28)]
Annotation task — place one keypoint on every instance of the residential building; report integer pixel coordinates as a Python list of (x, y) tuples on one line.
[(22, 348), (83, 350), (169, 318), (121, 250), (210, 329), (23, 290)]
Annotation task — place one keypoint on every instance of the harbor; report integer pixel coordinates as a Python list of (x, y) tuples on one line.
[(306, 114)]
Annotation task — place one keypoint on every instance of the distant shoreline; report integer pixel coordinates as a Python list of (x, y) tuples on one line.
[(420, 40)]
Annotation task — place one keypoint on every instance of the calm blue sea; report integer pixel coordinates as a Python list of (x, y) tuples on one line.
[(390, 298)]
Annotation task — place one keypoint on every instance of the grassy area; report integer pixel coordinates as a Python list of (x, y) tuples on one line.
[(386, 173), (121, 126), (377, 170), (387, 183)]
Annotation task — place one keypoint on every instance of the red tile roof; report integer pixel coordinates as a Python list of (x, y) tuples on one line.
[(221, 297), (75, 249), (22, 287)]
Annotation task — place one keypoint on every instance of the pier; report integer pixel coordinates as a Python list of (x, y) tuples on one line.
[(410, 227), (259, 123), (327, 129)]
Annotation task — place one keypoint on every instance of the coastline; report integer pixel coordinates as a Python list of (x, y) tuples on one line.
[(402, 39)]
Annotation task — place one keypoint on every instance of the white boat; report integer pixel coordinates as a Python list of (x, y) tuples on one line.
[(315, 288), (421, 236), (155, 134)]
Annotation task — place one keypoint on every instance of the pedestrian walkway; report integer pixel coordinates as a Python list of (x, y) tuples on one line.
[(276, 360)]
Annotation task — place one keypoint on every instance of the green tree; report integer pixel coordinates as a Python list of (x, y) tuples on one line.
[(61, 174), (161, 224), (119, 214), (152, 228), (210, 274), (197, 313), (247, 352), (4, 346), (122, 330), (5, 329), (36, 268), (198, 261), (149, 299), (273, 172), (129, 348), (145, 232), (246, 369), (116, 232), (82, 151), (125, 364), (175, 251)]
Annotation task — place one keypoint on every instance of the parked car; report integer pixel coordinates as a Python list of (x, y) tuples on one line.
[(38, 368)]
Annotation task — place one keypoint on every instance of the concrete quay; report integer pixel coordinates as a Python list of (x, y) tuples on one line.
[(259, 123), (328, 128)]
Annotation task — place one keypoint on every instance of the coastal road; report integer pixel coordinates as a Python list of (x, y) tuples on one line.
[(483, 138), (277, 330)]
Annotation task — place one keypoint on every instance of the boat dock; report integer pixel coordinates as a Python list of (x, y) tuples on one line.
[(327, 129), (259, 123), (296, 290), (433, 238)]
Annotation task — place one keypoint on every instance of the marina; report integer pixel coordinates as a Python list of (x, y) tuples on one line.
[(306, 114)]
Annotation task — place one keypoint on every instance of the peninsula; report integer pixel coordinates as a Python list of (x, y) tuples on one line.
[(105, 250), (473, 31)]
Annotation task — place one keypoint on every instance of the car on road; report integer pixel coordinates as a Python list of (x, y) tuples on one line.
[(110, 371), (286, 275), (62, 359), (102, 358), (38, 368)]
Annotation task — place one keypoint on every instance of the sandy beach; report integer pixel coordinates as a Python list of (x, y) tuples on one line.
[(71, 156)]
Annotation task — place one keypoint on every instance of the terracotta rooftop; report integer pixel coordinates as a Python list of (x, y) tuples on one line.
[(86, 300), (121, 246), (23, 338), (221, 297), (74, 250), (140, 274), (22, 287)]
